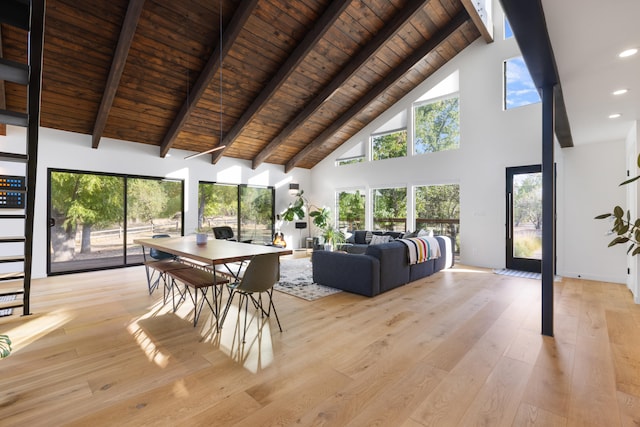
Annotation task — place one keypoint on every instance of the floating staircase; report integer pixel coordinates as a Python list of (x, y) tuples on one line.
[(18, 182)]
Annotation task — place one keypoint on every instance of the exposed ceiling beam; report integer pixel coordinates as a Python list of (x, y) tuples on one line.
[(386, 33), (530, 30), (481, 17), (381, 87), (240, 17), (117, 67), (320, 27)]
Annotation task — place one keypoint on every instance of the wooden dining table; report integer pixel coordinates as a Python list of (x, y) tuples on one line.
[(214, 252), (220, 256)]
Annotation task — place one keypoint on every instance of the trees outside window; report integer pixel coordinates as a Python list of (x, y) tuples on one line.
[(350, 210), (217, 206), (437, 208), (437, 126), (97, 216), (257, 214), (389, 145), (249, 211), (390, 209)]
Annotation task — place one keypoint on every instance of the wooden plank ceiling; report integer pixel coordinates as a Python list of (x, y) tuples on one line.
[(283, 82)]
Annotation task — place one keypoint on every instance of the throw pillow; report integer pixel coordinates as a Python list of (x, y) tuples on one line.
[(360, 237), (428, 233), (377, 240), (410, 234), (367, 237)]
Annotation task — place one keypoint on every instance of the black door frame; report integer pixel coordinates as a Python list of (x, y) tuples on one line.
[(522, 264)]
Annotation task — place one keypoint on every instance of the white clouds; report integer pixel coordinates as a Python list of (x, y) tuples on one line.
[(520, 89)]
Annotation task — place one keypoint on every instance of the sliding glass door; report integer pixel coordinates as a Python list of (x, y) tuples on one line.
[(524, 218), (94, 218), (248, 210)]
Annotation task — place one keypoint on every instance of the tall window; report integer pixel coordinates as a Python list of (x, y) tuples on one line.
[(437, 125), (437, 209), (96, 217), (390, 209), (519, 88), (350, 209), (249, 211)]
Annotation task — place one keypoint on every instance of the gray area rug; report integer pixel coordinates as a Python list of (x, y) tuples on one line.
[(296, 278)]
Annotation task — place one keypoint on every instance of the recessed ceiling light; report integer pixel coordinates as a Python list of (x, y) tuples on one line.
[(620, 91), (615, 115), (628, 52)]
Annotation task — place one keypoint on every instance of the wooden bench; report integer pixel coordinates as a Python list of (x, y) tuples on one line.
[(198, 280)]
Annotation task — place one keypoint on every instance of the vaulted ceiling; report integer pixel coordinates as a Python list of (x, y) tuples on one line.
[(283, 82)]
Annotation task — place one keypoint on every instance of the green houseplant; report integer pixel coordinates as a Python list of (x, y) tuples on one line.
[(332, 238), (5, 346), (295, 210), (626, 230)]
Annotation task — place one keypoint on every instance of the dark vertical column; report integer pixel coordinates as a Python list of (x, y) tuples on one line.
[(36, 46), (548, 210)]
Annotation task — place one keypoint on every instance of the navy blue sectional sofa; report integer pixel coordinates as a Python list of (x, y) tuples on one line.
[(381, 268)]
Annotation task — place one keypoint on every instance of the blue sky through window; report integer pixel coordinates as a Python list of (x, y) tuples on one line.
[(519, 87), (507, 29)]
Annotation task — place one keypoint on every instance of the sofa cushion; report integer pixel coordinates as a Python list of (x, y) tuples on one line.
[(410, 234), (359, 274), (359, 237), (393, 234), (377, 240), (394, 268)]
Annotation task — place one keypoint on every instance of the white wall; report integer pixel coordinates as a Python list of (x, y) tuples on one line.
[(66, 150), (631, 145), (491, 140)]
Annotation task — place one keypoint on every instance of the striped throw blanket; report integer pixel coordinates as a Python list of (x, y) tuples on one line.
[(420, 249)]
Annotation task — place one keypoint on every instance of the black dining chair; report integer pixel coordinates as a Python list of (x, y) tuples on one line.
[(224, 232), (261, 274)]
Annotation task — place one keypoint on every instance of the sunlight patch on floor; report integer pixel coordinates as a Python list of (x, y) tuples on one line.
[(146, 343), (32, 330), (256, 353)]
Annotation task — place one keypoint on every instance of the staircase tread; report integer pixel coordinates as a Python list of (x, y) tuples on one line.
[(12, 258)]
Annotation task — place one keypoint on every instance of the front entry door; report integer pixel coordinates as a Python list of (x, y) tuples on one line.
[(524, 218)]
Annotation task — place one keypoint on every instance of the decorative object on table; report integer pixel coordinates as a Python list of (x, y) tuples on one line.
[(625, 230), (201, 238), (5, 346), (296, 278)]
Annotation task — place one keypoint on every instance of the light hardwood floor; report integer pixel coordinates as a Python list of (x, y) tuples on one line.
[(462, 347)]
